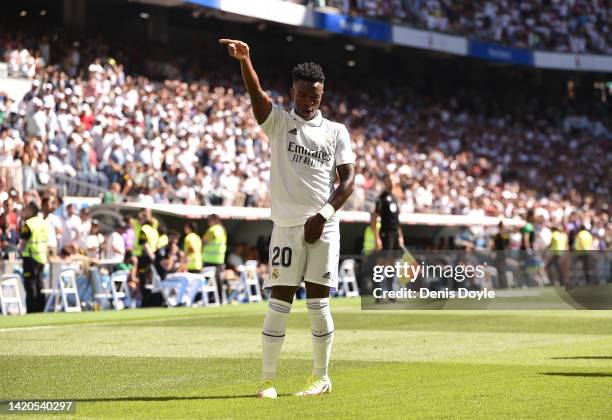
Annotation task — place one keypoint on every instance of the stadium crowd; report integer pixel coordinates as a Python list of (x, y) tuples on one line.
[(197, 143), (577, 26)]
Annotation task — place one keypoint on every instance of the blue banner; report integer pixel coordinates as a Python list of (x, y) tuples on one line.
[(496, 52), (213, 4), (297, 15), (353, 26)]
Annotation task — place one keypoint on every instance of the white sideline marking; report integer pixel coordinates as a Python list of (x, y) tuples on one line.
[(38, 327), (90, 324)]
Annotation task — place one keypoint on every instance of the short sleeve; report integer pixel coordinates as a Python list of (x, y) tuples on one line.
[(344, 152), (379, 205), (272, 123)]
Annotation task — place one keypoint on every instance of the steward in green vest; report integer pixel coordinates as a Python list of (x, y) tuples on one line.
[(559, 241), (163, 240), (557, 266), (151, 235), (35, 250), (215, 242), (144, 250), (582, 245), (213, 251), (369, 238), (145, 217), (192, 246), (135, 222)]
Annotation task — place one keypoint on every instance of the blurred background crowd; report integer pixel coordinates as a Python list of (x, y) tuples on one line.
[(196, 142), (558, 25), (173, 125)]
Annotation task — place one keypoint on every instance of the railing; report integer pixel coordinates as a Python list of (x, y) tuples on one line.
[(83, 185)]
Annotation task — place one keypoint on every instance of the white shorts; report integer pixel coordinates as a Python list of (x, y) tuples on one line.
[(292, 259)]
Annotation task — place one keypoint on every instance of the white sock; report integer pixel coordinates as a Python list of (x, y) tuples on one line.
[(272, 336), (322, 327)]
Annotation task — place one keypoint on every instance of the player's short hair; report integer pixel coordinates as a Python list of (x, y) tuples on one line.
[(308, 71)]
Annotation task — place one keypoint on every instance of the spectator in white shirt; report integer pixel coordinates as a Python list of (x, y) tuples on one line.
[(36, 122), (115, 245), (73, 225), (94, 240)]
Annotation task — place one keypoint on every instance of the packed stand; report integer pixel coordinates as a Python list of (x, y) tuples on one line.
[(197, 143), (577, 26)]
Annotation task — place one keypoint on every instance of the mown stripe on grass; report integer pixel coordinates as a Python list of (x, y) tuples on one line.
[(109, 387), (357, 345)]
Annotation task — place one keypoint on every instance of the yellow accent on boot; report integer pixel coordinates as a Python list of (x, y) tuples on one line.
[(266, 390), (316, 386)]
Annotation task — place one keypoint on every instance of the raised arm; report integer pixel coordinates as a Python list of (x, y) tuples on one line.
[(261, 103)]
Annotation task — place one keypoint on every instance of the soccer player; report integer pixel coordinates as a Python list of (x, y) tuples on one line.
[(307, 152)]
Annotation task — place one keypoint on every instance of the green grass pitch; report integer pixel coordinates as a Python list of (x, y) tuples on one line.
[(204, 363)]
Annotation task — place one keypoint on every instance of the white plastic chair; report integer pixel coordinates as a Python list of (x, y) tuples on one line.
[(9, 283), (50, 284), (119, 289), (62, 288), (347, 281), (251, 281), (103, 293), (207, 284)]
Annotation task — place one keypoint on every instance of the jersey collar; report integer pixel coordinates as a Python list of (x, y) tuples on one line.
[(314, 122)]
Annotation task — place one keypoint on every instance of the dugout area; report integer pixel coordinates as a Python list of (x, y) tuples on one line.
[(248, 225)]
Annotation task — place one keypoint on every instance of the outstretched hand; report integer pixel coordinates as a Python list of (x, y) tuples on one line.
[(313, 228), (237, 49)]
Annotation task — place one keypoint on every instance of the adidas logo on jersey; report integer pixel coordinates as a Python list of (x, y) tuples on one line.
[(327, 275), (293, 131)]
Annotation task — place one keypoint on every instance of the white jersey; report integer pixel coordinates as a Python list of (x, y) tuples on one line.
[(304, 159)]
